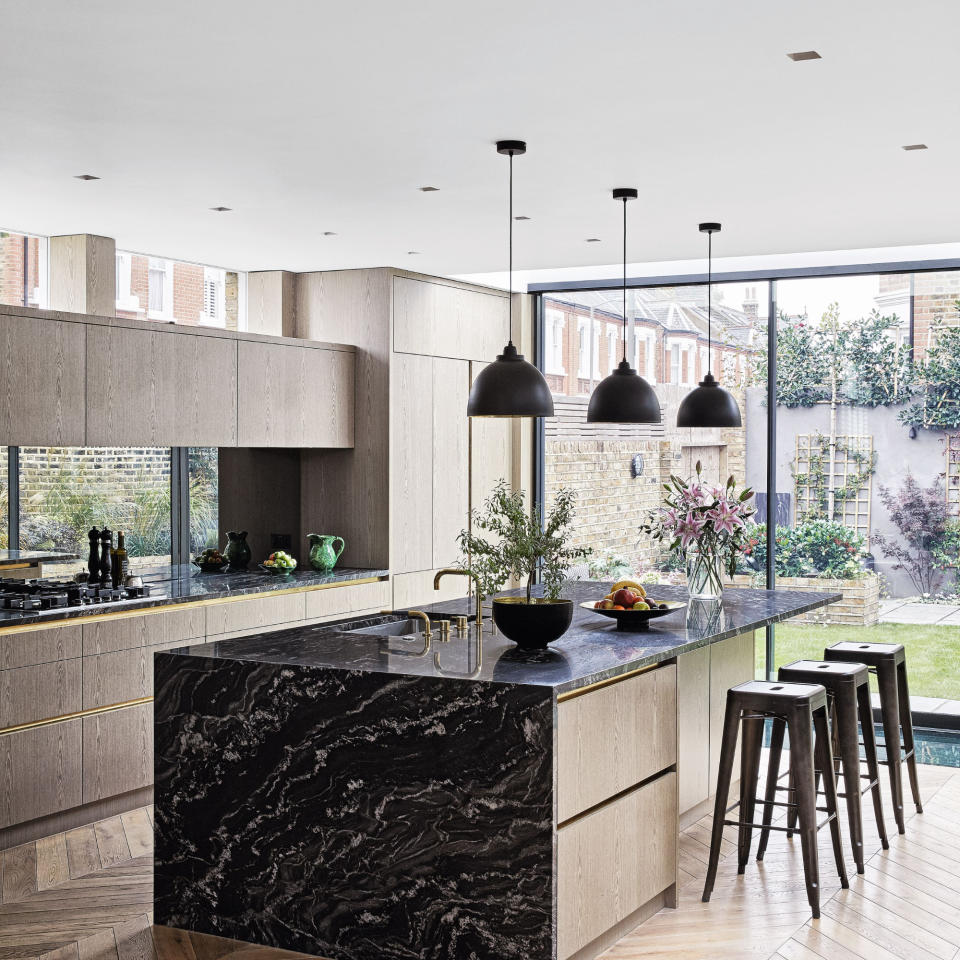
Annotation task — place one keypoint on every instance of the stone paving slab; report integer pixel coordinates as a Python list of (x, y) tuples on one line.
[(922, 613)]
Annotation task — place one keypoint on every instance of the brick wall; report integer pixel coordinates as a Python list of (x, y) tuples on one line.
[(12, 268)]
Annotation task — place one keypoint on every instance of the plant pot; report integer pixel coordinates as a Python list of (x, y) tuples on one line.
[(532, 625)]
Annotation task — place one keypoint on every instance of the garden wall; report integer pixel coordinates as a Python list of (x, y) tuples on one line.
[(860, 605)]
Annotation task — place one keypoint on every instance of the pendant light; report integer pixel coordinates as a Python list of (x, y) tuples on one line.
[(624, 396), (510, 386), (709, 405)]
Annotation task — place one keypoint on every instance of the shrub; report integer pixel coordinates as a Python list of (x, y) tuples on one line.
[(815, 547)]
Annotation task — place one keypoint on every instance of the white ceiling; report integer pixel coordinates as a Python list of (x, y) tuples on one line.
[(307, 117)]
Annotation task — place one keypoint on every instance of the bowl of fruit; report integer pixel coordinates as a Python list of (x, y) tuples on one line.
[(631, 606), (210, 561), (279, 563)]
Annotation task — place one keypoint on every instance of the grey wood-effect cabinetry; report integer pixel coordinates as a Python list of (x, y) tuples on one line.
[(124, 632), (117, 752), (42, 383), (451, 458), (160, 387), (491, 451), (28, 694), (295, 396), (441, 320)]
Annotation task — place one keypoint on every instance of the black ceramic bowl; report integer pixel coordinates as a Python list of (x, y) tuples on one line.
[(532, 625), (211, 567), (632, 620)]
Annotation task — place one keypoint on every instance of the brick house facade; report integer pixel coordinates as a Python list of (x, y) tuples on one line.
[(17, 254)]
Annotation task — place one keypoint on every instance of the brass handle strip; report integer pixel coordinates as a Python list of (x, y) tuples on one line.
[(185, 605), (600, 684), (76, 715)]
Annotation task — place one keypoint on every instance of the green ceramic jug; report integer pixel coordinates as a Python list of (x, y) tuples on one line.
[(323, 556)]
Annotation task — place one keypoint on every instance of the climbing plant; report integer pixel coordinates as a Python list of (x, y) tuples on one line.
[(937, 392), (877, 370)]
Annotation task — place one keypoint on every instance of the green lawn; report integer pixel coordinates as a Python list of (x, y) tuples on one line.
[(933, 652)]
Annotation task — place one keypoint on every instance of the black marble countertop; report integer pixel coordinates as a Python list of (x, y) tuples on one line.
[(171, 585), (591, 650), (13, 557)]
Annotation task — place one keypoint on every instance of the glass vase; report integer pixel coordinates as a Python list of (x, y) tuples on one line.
[(704, 575)]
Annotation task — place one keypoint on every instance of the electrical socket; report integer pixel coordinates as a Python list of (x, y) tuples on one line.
[(281, 541)]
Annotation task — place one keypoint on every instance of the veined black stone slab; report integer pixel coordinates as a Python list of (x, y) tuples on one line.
[(352, 814)]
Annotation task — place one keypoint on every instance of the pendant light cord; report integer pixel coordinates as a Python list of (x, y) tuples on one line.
[(510, 248), (710, 302), (624, 279)]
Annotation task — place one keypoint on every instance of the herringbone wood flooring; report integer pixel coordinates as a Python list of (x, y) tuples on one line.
[(86, 895)]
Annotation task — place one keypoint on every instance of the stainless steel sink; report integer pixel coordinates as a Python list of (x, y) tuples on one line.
[(407, 627)]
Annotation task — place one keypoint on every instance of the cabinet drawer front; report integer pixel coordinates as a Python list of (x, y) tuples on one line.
[(614, 860), (612, 738), (339, 601), (117, 677), (124, 633), (117, 752), (39, 772), (24, 647), (39, 692), (254, 613)]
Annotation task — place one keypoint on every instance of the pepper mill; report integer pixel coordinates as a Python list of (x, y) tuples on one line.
[(106, 547), (93, 561)]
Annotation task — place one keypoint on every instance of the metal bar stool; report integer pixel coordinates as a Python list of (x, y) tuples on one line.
[(799, 708), (848, 699), (889, 662)]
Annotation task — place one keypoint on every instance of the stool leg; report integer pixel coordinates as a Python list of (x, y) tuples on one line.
[(848, 747), (870, 749), (801, 764), (890, 717), (750, 747), (906, 724), (728, 747), (825, 761), (773, 771), (791, 811)]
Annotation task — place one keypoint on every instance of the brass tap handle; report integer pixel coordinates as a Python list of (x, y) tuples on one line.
[(461, 626), (444, 631)]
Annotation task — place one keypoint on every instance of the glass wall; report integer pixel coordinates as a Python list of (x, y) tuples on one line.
[(64, 491), (23, 269), (203, 466), (175, 291)]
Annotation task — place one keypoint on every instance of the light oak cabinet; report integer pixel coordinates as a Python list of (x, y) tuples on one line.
[(255, 613), (45, 645), (491, 451), (731, 662), (342, 601), (144, 630), (441, 320), (37, 692), (117, 752), (451, 458), (42, 372), (161, 387), (292, 396), (117, 677)]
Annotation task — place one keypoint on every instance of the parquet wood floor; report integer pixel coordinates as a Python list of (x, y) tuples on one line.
[(87, 895)]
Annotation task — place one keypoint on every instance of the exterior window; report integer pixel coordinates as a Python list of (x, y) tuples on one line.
[(213, 281), (675, 363), (613, 346), (704, 362), (23, 269), (126, 298), (203, 470), (553, 346), (160, 290), (583, 349)]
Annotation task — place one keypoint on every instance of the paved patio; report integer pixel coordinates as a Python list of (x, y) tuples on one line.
[(905, 611)]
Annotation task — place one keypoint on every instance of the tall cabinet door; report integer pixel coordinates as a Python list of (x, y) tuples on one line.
[(491, 445), (451, 457)]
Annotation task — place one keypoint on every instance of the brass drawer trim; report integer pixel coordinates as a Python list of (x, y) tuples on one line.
[(609, 682), (76, 715)]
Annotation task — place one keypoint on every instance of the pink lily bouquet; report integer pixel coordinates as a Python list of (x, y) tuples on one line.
[(709, 525)]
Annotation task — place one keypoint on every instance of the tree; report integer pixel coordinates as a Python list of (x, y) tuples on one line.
[(879, 372), (937, 406)]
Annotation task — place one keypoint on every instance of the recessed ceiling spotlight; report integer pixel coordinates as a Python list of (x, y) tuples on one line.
[(804, 55), (592, 240), (413, 253), (521, 218), (85, 176), (429, 189), (915, 146), (329, 233), (221, 209)]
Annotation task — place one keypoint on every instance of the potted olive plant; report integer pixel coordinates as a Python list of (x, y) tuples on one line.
[(510, 541)]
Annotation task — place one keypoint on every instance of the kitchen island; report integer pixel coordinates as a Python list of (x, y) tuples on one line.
[(352, 793)]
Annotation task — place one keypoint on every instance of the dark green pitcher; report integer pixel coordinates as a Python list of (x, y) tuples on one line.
[(323, 556)]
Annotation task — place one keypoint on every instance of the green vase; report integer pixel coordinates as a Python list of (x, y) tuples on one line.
[(323, 556), (237, 550)]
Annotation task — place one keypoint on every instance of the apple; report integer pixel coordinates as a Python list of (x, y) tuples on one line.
[(641, 605), (625, 598), (606, 604)]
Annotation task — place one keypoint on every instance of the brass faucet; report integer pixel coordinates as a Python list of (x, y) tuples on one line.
[(420, 615), (476, 585)]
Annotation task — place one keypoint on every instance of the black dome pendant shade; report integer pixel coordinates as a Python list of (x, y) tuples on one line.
[(624, 396), (709, 405), (510, 386)]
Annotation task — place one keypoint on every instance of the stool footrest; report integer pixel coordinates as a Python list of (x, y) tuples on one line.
[(760, 826)]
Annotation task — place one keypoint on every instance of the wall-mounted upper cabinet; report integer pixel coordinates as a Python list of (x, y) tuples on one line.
[(440, 320), (41, 397), (160, 387), (292, 396)]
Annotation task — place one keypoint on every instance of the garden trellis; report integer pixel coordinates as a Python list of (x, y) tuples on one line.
[(952, 474)]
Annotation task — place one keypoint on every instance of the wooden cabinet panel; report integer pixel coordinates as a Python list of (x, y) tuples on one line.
[(440, 320), (252, 614), (415, 589), (42, 364), (614, 860), (491, 452), (160, 387), (731, 662), (121, 632), (39, 772), (411, 463), (295, 396), (693, 728), (117, 752), (612, 738), (117, 677), (21, 648), (39, 692), (340, 601), (451, 458)]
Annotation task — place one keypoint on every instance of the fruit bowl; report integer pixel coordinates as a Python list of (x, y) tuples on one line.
[(633, 620)]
